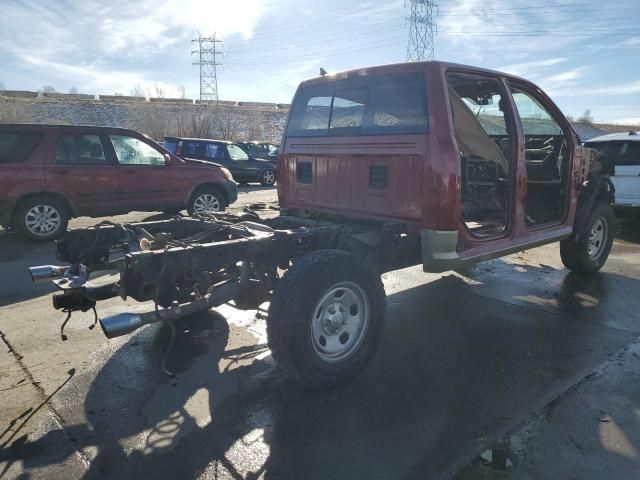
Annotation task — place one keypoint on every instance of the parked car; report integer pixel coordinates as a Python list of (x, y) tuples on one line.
[(244, 167), (49, 174), (263, 150), (620, 156)]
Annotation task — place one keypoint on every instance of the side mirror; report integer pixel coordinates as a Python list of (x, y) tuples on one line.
[(167, 159)]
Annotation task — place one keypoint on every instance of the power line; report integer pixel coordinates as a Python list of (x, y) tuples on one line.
[(207, 60), (421, 27), (539, 7)]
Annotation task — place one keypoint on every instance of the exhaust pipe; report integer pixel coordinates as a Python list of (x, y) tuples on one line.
[(124, 323), (44, 273), (121, 324)]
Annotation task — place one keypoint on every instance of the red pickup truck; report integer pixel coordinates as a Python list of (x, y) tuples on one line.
[(49, 174), (381, 168)]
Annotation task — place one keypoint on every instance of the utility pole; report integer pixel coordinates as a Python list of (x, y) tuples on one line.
[(421, 29), (208, 50)]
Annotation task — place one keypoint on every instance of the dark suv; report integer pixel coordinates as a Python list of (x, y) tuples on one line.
[(49, 174), (264, 150), (244, 167)]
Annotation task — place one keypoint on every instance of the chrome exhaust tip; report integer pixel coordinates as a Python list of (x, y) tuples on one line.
[(121, 324), (44, 273)]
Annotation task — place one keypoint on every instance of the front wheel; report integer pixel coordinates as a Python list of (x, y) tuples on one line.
[(326, 318), (268, 178), (590, 252), (206, 200)]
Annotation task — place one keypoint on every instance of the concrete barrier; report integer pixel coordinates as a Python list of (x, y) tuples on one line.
[(121, 98), (18, 94), (68, 96), (171, 100)]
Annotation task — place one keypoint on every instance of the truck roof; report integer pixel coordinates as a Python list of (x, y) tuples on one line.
[(405, 67), (633, 136)]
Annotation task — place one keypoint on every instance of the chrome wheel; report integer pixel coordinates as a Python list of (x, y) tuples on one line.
[(598, 238), (340, 321), (268, 177), (206, 202), (42, 220)]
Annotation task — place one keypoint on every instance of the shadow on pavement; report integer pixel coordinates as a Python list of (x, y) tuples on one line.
[(454, 371), (16, 256)]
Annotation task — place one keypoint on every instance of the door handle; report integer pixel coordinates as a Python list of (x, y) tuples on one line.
[(60, 172), (130, 172)]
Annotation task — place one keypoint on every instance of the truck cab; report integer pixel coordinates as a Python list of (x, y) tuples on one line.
[(473, 163)]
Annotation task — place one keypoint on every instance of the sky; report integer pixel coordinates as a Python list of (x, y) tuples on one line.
[(584, 54)]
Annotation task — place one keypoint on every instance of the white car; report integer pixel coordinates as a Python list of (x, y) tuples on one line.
[(620, 155)]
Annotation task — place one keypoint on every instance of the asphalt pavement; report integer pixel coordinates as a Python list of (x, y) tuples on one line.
[(514, 368)]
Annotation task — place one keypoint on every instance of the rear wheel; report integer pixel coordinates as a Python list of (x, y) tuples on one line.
[(590, 252), (206, 200), (41, 219), (268, 177), (326, 318)]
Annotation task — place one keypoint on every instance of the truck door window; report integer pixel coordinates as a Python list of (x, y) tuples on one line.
[(485, 142), (546, 157)]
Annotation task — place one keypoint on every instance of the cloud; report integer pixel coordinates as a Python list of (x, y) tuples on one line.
[(631, 42), (526, 68), (117, 42)]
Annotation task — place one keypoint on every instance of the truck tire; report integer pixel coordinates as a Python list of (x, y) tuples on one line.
[(325, 318), (42, 218), (589, 253), (206, 200), (268, 177)]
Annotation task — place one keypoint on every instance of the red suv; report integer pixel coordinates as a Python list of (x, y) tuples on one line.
[(49, 174)]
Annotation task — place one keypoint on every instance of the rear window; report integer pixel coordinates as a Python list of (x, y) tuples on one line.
[(617, 152), (375, 105), (15, 147), (170, 144)]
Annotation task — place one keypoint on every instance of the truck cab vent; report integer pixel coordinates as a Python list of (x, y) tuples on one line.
[(304, 172), (378, 176)]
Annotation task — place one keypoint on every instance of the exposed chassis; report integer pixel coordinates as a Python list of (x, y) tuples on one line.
[(187, 265)]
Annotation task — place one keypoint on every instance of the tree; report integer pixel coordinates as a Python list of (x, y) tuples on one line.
[(159, 91), (182, 91), (48, 89), (151, 121), (227, 122), (138, 91), (118, 94), (73, 90), (585, 117)]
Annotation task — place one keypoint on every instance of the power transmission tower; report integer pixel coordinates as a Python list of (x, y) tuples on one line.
[(207, 51), (421, 29)]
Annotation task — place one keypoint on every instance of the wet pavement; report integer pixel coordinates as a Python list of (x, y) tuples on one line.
[(487, 359)]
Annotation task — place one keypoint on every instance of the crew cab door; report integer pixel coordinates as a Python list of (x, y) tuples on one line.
[(83, 171), (147, 181), (626, 174)]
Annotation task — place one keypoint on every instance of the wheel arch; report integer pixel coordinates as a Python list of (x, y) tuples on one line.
[(72, 210), (213, 185), (597, 189)]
